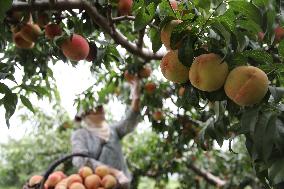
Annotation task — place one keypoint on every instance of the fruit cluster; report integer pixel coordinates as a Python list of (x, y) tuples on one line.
[(245, 85), (86, 178), (75, 47)]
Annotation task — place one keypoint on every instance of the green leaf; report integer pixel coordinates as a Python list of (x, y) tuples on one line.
[(185, 52), (276, 171), (281, 49), (27, 103), (144, 16), (4, 7), (10, 104), (259, 56), (276, 92), (4, 88), (247, 9), (155, 39), (248, 120), (264, 135)]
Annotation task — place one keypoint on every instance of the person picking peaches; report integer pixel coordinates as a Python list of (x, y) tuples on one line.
[(102, 139)]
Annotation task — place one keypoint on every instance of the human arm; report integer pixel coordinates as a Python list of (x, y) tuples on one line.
[(130, 121)]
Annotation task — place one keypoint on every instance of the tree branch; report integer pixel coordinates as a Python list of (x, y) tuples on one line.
[(209, 177), (97, 18), (140, 39)]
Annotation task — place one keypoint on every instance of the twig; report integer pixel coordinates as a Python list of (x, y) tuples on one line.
[(209, 177), (205, 24), (140, 39)]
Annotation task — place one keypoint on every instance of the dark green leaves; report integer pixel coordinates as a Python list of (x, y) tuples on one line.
[(27, 103), (281, 49), (246, 9), (185, 53), (10, 103), (4, 6), (155, 39), (144, 16)]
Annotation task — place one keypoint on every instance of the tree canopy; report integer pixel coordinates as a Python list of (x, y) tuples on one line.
[(223, 68)]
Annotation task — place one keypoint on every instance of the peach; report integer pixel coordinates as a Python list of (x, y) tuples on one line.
[(109, 182), (52, 30), (62, 184), (30, 32), (92, 181), (77, 185), (145, 72), (21, 43), (246, 85), (36, 179), (124, 7), (157, 116), (73, 179), (92, 52), (174, 4), (208, 72), (62, 175), (173, 69), (85, 171), (75, 48), (260, 36), (181, 91), (128, 76), (102, 170), (279, 34), (150, 87), (166, 33), (53, 179)]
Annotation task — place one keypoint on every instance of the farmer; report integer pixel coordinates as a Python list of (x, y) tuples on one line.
[(102, 139)]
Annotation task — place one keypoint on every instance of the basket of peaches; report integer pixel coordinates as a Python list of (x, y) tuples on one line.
[(102, 177)]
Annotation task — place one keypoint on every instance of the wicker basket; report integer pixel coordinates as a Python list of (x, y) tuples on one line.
[(53, 166)]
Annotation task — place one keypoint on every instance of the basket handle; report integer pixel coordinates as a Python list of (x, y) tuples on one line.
[(53, 166)]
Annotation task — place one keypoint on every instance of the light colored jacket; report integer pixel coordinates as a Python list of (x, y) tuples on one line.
[(84, 141)]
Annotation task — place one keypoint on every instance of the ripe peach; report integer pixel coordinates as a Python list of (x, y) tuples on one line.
[(77, 185), (157, 116), (92, 181), (166, 33), (85, 171), (20, 42), (62, 184), (53, 179), (181, 91), (102, 171), (30, 32), (92, 52), (246, 85), (124, 7), (145, 72), (174, 4), (260, 36), (35, 180), (150, 87), (76, 48), (208, 72), (109, 182), (128, 76), (173, 69), (52, 30), (279, 34), (74, 178)]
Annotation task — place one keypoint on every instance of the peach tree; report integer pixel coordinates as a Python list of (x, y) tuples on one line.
[(223, 64)]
